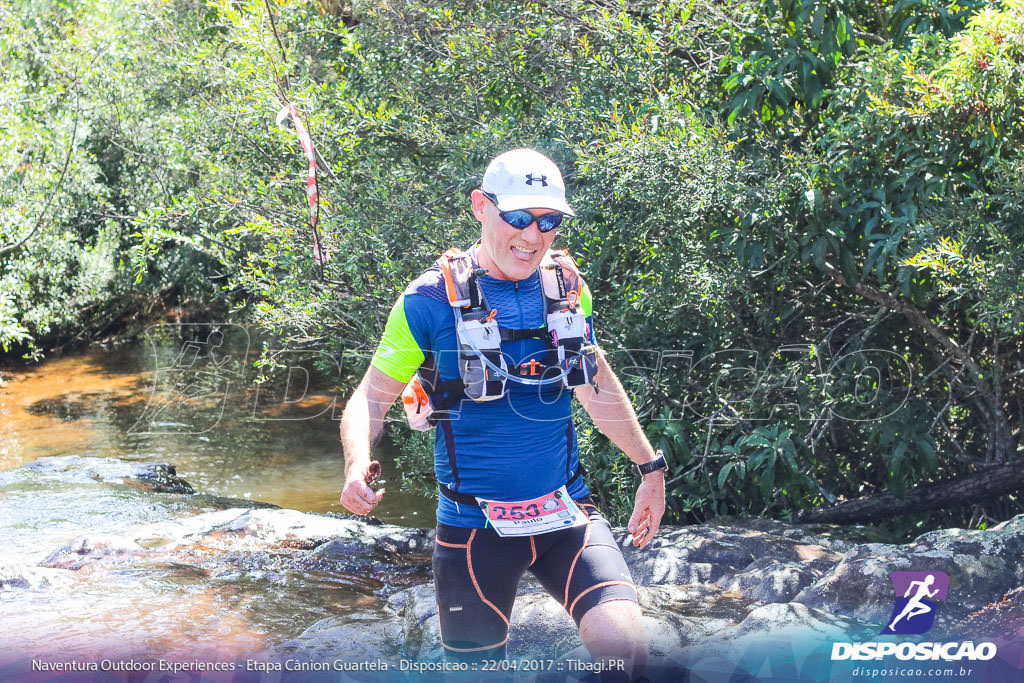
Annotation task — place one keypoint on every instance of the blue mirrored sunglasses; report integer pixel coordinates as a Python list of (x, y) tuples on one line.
[(521, 219)]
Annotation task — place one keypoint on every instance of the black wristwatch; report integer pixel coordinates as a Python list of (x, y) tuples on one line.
[(657, 464)]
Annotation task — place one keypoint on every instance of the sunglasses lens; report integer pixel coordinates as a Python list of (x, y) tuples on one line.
[(549, 222), (517, 219), (521, 220)]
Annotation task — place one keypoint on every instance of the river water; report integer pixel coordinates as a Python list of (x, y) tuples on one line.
[(184, 397)]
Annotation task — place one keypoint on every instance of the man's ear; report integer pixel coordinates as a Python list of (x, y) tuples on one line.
[(479, 204)]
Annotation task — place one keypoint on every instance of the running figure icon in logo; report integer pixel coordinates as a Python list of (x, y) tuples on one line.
[(914, 612)]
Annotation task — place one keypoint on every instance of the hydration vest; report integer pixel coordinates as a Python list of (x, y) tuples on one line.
[(483, 370)]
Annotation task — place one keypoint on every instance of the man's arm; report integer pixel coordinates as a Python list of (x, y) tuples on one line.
[(613, 414), (361, 426)]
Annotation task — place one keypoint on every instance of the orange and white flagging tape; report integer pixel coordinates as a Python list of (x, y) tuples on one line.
[(320, 253)]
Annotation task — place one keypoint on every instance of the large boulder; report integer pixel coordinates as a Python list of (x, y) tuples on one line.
[(775, 641), (266, 541), (772, 563), (982, 566)]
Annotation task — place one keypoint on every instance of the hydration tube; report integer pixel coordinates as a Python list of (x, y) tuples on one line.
[(502, 373)]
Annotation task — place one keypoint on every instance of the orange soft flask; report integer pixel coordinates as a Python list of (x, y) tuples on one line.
[(417, 405)]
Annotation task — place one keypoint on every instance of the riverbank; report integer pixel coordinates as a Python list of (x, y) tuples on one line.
[(731, 596)]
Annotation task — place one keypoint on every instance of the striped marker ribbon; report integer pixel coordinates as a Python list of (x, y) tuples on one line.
[(320, 253)]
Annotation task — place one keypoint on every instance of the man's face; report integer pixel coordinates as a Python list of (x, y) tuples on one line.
[(506, 252)]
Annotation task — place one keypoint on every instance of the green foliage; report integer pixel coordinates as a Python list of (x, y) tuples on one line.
[(786, 56), (910, 18), (801, 220), (83, 154)]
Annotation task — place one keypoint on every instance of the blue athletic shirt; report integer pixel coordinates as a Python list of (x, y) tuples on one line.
[(517, 447)]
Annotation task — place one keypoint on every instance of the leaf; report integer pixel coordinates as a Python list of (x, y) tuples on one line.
[(849, 266), (788, 453), (768, 480), (723, 474), (843, 30), (818, 252)]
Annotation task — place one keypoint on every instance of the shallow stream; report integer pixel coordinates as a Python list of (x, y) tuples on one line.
[(185, 397)]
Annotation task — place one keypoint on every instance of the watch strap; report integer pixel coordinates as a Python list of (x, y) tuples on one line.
[(657, 464)]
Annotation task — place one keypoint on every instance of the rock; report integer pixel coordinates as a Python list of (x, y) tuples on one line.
[(771, 580), (360, 637), (703, 608), (154, 477), (717, 553), (981, 566), (772, 641), (158, 478), (417, 612), (734, 596), (1004, 618), (32, 578), (264, 542)]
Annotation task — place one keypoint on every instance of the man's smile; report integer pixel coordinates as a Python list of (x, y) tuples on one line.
[(523, 254)]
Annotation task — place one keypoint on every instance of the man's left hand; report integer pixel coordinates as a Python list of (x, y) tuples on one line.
[(648, 508)]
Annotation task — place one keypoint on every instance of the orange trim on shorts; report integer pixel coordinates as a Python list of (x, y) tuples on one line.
[(472, 576), (449, 545), (598, 585), (533, 547), (572, 567), (473, 649), (440, 630)]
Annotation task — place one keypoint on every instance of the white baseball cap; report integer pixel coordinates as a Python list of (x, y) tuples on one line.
[(525, 179)]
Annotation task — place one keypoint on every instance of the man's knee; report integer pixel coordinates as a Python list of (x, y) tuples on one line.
[(612, 632)]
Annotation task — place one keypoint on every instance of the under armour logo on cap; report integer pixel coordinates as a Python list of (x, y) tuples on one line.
[(525, 179)]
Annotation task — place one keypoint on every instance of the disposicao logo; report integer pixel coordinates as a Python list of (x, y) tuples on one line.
[(917, 596)]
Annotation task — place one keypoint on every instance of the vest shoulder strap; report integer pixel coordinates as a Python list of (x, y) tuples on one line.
[(561, 279), (460, 282)]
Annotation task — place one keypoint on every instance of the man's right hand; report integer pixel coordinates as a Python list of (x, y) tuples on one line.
[(357, 495)]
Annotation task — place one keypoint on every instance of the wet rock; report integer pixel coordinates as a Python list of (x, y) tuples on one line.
[(717, 553), (361, 637), (769, 636), (771, 580), (79, 553), (265, 543), (982, 566), (417, 614), (14, 577), (1004, 618), (77, 469), (158, 478)]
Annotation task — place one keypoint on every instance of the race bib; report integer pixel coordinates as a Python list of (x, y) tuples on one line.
[(550, 512)]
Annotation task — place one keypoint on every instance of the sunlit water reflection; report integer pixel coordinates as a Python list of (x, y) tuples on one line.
[(194, 407)]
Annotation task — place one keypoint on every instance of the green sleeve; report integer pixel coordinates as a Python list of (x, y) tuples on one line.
[(586, 300), (398, 355)]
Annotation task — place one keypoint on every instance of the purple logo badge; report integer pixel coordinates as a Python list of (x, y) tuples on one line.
[(917, 596)]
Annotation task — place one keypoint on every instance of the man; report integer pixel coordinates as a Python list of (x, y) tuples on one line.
[(505, 446)]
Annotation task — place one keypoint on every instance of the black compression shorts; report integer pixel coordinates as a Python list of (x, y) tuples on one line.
[(477, 572)]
